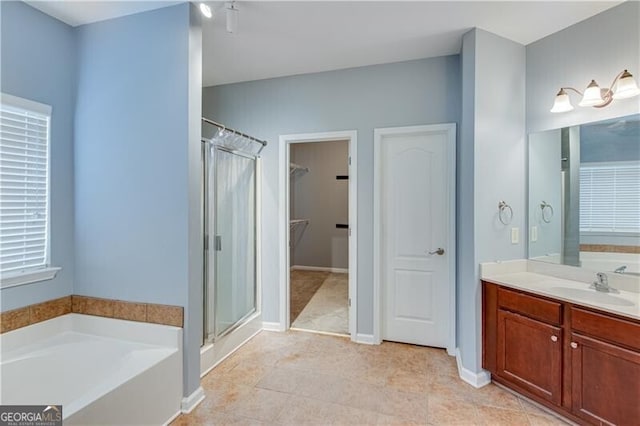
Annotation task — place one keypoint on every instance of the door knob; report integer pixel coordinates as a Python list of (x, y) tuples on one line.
[(554, 338), (574, 345), (439, 252)]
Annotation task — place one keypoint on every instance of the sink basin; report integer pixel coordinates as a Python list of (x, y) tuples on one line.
[(591, 296)]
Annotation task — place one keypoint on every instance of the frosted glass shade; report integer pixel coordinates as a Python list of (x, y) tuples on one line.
[(626, 87), (562, 103), (591, 95), (232, 19)]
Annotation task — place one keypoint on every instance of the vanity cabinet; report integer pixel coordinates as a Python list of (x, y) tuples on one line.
[(579, 362)]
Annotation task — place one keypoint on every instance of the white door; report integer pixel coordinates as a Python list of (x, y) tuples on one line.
[(415, 227)]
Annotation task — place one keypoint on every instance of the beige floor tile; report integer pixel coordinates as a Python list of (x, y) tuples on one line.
[(327, 310), (281, 380), (544, 420), (303, 411), (411, 406), (498, 416), (443, 411), (492, 395), (260, 404), (304, 378)]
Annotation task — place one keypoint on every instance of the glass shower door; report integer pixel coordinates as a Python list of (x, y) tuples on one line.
[(234, 241)]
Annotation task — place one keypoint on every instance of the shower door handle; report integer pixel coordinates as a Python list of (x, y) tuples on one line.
[(218, 243)]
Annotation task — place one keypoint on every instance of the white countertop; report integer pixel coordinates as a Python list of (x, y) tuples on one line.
[(624, 303)]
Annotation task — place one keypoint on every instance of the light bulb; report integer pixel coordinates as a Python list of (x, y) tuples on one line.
[(206, 11)]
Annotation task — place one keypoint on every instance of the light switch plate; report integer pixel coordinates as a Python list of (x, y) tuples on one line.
[(515, 235), (533, 234)]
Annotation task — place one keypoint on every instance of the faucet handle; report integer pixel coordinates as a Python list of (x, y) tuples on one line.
[(602, 278)]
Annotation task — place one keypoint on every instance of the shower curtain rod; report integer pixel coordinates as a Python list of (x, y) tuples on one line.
[(223, 127)]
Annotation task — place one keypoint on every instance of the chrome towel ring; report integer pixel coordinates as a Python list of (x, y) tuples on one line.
[(505, 213), (547, 211)]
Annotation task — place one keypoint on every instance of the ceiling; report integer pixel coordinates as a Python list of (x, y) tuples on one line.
[(296, 37), (80, 12)]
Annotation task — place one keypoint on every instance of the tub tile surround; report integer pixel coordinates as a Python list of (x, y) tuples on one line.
[(118, 309), (541, 278), (609, 248)]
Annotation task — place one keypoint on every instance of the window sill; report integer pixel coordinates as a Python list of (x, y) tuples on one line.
[(28, 277)]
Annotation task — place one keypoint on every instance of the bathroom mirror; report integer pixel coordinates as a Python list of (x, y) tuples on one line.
[(584, 195)]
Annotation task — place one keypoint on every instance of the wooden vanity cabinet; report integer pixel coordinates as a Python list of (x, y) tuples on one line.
[(581, 363), (605, 366)]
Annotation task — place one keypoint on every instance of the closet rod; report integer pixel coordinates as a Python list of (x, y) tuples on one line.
[(223, 127)]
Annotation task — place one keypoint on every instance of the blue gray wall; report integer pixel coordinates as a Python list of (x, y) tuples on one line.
[(137, 165), (39, 63), (597, 48), (491, 169), (401, 94)]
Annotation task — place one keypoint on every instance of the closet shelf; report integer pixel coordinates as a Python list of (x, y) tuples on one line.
[(293, 167), (294, 222)]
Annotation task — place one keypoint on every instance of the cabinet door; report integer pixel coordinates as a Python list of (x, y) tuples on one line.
[(530, 355), (606, 382)]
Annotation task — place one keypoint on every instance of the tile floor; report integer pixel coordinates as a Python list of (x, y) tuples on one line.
[(298, 378), (328, 309), (302, 286)]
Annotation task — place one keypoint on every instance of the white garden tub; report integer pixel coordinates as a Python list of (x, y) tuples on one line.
[(103, 371)]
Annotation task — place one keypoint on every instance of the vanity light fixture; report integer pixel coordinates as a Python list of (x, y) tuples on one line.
[(624, 86), (232, 17)]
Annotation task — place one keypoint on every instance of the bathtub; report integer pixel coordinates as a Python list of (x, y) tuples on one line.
[(101, 370), (609, 262)]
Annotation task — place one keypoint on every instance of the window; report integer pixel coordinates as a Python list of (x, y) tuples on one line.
[(610, 197), (24, 190)]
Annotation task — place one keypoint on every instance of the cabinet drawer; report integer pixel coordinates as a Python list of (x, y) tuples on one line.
[(531, 306), (605, 327)]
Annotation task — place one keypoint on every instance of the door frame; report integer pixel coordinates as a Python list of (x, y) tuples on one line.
[(378, 134), (284, 205)]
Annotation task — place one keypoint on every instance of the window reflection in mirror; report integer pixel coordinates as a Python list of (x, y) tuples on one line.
[(584, 195)]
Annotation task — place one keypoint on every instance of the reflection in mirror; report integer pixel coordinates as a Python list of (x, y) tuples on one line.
[(584, 195)]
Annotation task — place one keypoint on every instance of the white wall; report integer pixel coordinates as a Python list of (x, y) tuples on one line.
[(493, 141), (318, 196), (597, 48), (425, 91)]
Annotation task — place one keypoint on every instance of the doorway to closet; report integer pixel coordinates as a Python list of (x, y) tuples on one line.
[(319, 251)]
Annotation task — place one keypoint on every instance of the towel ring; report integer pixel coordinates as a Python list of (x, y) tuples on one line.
[(502, 208), (546, 207)]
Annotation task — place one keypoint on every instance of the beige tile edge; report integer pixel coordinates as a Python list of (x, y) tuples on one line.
[(109, 308)]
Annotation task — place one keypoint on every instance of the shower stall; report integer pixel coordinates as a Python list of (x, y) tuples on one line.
[(230, 198)]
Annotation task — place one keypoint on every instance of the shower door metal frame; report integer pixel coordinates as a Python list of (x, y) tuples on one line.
[(212, 193)]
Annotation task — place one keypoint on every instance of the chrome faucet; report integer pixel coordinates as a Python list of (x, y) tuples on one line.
[(620, 270), (602, 284)]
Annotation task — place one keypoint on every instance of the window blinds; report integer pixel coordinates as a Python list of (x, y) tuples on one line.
[(24, 185), (610, 197)]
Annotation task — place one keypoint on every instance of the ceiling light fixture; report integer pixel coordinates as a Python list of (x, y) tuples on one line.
[(206, 11), (232, 17), (624, 86)]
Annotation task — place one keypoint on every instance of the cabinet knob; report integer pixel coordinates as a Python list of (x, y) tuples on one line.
[(554, 338), (574, 345)]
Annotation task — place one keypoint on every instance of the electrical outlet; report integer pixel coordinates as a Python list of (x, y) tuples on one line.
[(515, 235), (533, 234)]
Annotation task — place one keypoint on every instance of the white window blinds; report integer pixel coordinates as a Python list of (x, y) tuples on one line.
[(24, 184), (610, 197)]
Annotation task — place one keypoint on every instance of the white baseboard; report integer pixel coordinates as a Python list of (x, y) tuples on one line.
[(320, 269), (366, 339), (272, 326), (190, 402), (477, 380)]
